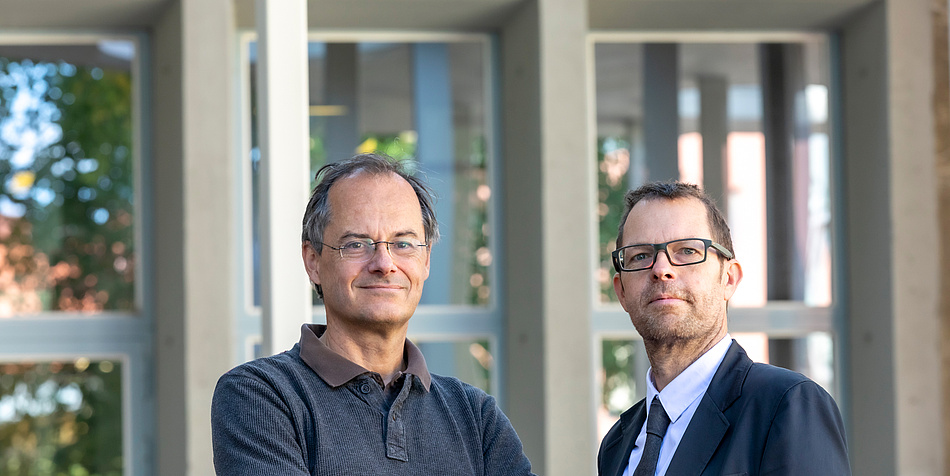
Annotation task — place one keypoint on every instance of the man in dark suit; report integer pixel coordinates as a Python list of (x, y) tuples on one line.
[(709, 408)]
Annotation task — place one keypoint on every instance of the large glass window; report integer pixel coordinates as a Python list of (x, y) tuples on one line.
[(749, 123), (66, 179), (61, 417), (75, 341), (428, 101)]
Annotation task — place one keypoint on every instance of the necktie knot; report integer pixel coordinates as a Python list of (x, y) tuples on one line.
[(658, 421)]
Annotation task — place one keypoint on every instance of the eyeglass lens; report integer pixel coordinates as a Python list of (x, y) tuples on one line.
[(360, 250), (680, 252)]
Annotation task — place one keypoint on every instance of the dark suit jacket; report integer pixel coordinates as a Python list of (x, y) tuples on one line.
[(755, 419)]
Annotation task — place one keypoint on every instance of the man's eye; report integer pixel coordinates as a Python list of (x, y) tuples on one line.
[(689, 251), (639, 257), (403, 245), (354, 246)]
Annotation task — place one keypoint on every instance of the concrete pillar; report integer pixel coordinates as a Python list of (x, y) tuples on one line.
[(193, 182), (549, 208), (891, 198), (941, 55), (283, 118), (786, 169), (714, 127), (661, 115), (341, 84)]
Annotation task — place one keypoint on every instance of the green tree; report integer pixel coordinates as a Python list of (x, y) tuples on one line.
[(73, 185)]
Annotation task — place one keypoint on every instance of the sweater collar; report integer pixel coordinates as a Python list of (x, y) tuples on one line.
[(337, 370)]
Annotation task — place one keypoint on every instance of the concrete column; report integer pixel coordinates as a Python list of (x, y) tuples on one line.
[(341, 84), (714, 127), (891, 198), (283, 118), (549, 196), (193, 182), (661, 115), (786, 167), (913, 213), (941, 55)]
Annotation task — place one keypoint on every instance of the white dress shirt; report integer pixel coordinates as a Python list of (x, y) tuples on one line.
[(680, 399)]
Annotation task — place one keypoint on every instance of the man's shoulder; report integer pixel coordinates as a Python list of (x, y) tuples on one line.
[(774, 376), (445, 383), (267, 368), (460, 394), (775, 383)]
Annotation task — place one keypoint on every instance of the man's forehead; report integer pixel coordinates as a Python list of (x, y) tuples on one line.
[(366, 196), (666, 219)]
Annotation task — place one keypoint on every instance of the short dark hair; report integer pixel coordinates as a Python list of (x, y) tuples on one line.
[(317, 217), (673, 190)]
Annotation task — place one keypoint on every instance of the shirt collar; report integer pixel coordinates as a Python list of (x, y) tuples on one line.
[(691, 383), (337, 370)]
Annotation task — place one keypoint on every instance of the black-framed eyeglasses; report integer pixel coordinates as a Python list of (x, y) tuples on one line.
[(682, 252), (363, 250)]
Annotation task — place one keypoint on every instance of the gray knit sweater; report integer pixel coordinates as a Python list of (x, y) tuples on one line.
[(276, 417)]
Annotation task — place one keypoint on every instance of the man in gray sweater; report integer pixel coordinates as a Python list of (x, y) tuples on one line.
[(354, 397)]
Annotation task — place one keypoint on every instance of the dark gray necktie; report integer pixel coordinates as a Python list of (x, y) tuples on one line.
[(656, 428)]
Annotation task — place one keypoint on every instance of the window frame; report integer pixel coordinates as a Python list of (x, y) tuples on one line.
[(125, 336)]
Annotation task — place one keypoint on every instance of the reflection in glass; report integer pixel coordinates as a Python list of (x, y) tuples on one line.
[(421, 101), (623, 368), (61, 417), (66, 184), (734, 105), (470, 361)]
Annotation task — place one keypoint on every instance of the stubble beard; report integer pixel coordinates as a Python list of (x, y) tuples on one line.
[(668, 325)]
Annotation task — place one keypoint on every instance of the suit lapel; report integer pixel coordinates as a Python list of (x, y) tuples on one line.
[(630, 423), (708, 425)]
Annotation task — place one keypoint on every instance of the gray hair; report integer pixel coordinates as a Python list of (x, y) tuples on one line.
[(317, 217)]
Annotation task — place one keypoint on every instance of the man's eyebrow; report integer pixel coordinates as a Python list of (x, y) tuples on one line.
[(352, 235)]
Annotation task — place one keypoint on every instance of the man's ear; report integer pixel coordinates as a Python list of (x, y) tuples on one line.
[(311, 262), (731, 276), (427, 262), (620, 291)]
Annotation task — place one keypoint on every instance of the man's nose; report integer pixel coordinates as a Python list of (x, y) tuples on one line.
[(382, 260), (662, 268)]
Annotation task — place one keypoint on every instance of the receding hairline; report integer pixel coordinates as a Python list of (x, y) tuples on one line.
[(683, 198), (378, 175)]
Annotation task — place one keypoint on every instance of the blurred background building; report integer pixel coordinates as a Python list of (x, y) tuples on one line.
[(156, 156)]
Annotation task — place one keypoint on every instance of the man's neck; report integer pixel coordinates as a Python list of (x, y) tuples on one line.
[(380, 353), (669, 359)]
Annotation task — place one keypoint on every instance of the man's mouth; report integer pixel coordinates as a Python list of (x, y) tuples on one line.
[(667, 297)]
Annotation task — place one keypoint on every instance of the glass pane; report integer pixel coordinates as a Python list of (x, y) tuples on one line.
[(721, 143), (422, 101), (470, 361), (811, 355), (61, 417), (622, 379), (66, 183)]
